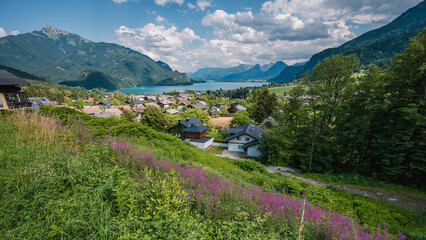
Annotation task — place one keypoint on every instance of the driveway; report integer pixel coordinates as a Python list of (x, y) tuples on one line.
[(235, 155)]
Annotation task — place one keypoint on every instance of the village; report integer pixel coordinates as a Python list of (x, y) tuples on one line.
[(205, 119)]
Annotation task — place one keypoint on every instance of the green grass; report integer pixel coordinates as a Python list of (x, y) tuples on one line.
[(215, 150), (369, 211), (281, 90), (358, 180)]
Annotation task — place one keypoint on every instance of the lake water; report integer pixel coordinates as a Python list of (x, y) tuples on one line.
[(209, 85)]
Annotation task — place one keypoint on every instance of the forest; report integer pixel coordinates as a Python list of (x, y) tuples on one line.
[(371, 124)]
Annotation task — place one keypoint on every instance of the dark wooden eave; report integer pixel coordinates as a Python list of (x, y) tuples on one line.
[(8, 79)]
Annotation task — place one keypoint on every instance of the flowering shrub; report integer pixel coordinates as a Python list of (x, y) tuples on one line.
[(217, 198)]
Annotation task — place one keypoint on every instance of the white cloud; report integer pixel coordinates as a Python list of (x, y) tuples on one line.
[(289, 30), (160, 19), (119, 1), (164, 2), (203, 4), (16, 32), (2, 32), (157, 41)]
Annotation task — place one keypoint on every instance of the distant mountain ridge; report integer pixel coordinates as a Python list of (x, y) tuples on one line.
[(240, 72), (376, 46), (218, 73), (60, 56)]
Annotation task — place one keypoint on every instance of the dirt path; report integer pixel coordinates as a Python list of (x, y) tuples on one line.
[(409, 200)]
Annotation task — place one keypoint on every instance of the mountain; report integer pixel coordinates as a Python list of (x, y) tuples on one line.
[(373, 47), (218, 73), (59, 56), (289, 72), (258, 72)]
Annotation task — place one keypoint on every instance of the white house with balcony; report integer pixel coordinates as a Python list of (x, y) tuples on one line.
[(245, 139)]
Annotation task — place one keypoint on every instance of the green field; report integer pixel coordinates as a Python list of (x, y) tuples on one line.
[(281, 90)]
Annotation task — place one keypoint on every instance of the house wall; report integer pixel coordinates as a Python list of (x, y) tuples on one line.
[(3, 103), (201, 145), (253, 151), (234, 144), (189, 135)]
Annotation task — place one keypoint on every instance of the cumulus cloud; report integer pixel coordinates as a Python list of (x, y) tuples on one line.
[(160, 19), (157, 41), (119, 1), (164, 2), (2, 32), (286, 30)]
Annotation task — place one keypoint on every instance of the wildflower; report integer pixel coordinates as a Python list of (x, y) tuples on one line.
[(62, 210)]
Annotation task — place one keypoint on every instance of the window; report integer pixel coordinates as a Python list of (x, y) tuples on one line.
[(247, 139), (240, 146), (238, 138), (1, 102)]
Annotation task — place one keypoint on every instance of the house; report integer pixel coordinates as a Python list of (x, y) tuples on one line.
[(125, 107), (105, 103), (138, 110), (198, 105), (164, 104), (92, 110), (172, 111), (42, 101), (220, 105), (240, 108), (104, 115), (151, 98), (194, 132), (152, 104), (10, 91), (245, 139), (117, 112), (269, 122), (214, 110)]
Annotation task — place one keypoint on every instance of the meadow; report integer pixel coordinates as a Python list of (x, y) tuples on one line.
[(67, 175)]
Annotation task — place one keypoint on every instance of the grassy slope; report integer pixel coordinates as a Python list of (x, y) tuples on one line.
[(370, 212), (281, 90)]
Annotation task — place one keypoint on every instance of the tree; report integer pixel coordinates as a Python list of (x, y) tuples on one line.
[(240, 118), (128, 115), (263, 104), (154, 117), (198, 114)]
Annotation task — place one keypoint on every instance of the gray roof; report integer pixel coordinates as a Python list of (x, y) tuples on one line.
[(250, 144), (105, 102), (199, 105), (198, 128), (7, 78), (241, 108), (249, 129), (190, 121), (201, 140)]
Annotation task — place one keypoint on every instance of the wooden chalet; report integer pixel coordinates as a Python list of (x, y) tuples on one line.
[(10, 91)]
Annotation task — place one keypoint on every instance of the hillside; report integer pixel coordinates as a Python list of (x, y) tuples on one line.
[(288, 74), (87, 183), (374, 47), (90, 78), (218, 73), (258, 72), (59, 56)]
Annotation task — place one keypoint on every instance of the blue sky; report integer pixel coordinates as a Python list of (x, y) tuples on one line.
[(190, 34)]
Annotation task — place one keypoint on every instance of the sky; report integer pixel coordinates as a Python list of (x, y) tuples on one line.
[(192, 34)]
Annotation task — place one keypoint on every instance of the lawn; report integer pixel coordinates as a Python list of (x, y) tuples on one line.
[(281, 90), (215, 150)]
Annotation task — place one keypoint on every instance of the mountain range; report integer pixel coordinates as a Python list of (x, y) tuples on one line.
[(373, 47), (240, 72), (60, 56)]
